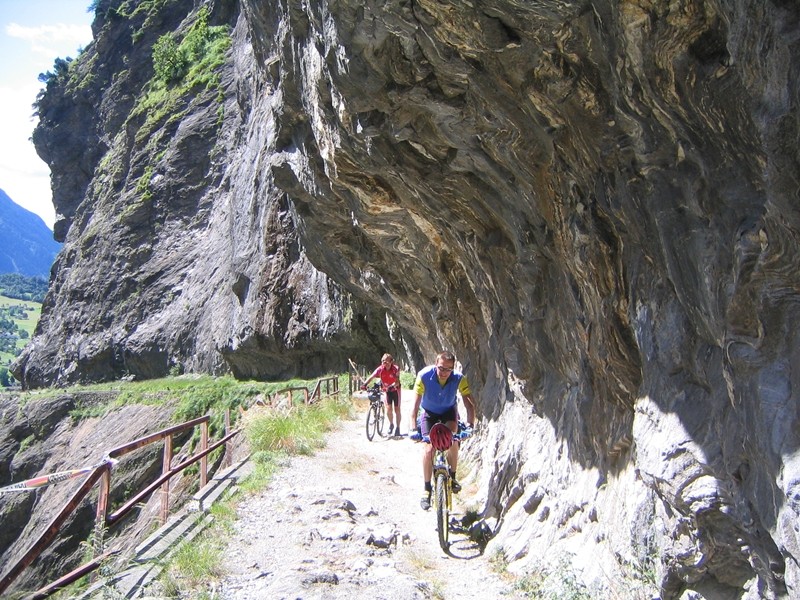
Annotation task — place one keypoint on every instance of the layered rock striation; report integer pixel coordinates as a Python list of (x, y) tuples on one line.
[(593, 204)]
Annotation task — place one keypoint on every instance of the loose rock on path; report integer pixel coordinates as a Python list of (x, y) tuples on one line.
[(346, 523)]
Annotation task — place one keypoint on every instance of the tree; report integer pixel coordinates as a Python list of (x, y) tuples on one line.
[(20, 287)]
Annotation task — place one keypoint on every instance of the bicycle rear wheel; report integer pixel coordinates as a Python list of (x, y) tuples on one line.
[(381, 418), (372, 420), (442, 511)]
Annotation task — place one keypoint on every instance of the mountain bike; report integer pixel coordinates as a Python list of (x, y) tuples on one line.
[(376, 412), (442, 482)]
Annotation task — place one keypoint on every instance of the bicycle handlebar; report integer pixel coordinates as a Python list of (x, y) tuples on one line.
[(379, 386), (461, 435)]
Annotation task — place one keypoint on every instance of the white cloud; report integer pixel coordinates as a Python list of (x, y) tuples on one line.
[(33, 33), (23, 175), (50, 34), (49, 41)]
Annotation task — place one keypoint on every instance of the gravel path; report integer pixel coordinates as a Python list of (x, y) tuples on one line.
[(346, 523)]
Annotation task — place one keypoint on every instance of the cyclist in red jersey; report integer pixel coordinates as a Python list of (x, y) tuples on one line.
[(389, 374)]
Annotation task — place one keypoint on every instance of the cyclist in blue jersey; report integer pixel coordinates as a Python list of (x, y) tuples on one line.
[(437, 388)]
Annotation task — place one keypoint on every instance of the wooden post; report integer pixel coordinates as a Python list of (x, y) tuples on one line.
[(166, 465), (102, 511), (204, 460), (228, 460)]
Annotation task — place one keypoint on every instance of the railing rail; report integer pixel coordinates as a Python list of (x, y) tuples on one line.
[(325, 388), (74, 575), (275, 396), (50, 533), (130, 504)]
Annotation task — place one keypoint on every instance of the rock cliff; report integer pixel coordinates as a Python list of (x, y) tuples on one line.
[(594, 204)]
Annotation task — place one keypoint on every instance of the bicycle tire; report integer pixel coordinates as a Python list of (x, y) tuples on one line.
[(442, 511), (381, 419), (372, 421)]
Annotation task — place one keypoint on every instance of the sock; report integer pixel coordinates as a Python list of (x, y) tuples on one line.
[(428, 487)]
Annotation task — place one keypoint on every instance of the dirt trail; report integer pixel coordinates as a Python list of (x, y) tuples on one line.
[(346, 523)]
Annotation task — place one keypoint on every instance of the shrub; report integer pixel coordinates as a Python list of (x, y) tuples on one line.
[(202, 45), (169, 63)]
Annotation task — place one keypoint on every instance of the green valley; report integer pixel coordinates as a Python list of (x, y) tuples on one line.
[(18, 319)]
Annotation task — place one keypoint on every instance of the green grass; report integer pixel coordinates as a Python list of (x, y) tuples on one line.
[(407, 380), (265, 465), (300, 431), (197, 394), (192, 566)]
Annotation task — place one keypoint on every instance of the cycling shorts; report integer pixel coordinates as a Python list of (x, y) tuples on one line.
[(430, 419), (393, 396)]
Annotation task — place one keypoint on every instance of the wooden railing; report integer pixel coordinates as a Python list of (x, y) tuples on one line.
[(102, 474), (288, 394), (356, 375), (324, 388)]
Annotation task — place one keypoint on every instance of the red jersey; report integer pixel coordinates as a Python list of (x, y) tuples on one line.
[(388, 376)]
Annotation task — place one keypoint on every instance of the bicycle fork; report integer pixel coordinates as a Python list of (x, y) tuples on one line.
[(440, 467), (442, 499), (448, 490)]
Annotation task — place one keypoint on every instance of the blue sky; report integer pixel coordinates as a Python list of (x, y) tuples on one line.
[(33, 33)]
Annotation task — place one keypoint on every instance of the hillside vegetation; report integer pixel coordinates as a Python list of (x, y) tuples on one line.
[(21, 300), (18, 320), (21, 287)]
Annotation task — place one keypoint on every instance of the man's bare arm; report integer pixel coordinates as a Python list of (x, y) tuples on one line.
[(470, 406), (415, 412)]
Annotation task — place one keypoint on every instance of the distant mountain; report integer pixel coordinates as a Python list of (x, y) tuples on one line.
[(26, 243)]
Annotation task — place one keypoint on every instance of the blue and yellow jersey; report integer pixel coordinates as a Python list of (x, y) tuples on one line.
[(440, 395)]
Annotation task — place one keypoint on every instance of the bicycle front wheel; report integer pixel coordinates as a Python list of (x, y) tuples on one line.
[(381, 418), (442, 511), (372, 421)]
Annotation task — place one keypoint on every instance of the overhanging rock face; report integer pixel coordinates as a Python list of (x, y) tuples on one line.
[(595, 205)]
